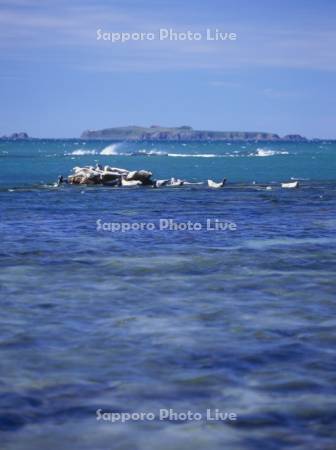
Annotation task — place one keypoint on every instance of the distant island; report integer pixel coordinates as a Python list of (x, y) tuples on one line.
[(184, 133), (159, 133), (15, 136)]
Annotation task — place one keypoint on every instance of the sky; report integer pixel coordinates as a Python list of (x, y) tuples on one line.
[(57, 79)]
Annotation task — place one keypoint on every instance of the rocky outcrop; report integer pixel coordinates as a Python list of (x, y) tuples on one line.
[(109, 176), (140, 175), (15, 136)]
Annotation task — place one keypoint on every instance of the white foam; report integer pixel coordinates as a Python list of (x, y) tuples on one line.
[(152, 152), (81, 152), (190, 155), (110, 150), (266, 152)]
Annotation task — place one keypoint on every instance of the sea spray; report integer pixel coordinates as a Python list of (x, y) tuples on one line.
[(110, 150)]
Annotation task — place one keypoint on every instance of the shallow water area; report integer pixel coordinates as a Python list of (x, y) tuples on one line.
[(236, 320)]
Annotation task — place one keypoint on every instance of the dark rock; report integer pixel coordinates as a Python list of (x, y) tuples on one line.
[(16, 136), (294, 137)]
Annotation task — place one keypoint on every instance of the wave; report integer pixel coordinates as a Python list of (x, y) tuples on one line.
[(81, 152), (197, 155), (260, 152), (174, 155), (110, 150), (204, 155), (266, 152), (145, 152)]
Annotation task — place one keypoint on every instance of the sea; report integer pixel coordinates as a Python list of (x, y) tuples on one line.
[(172, 318)]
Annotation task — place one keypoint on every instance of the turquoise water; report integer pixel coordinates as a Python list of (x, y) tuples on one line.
[(34, 162), (239, 320)]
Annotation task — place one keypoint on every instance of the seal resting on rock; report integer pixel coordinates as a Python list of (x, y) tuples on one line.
[(132, 183), (140, 175), (291, 185), (173, 182), (214, 185)]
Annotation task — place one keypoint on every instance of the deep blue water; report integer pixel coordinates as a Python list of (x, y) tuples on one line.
[(239, 320)]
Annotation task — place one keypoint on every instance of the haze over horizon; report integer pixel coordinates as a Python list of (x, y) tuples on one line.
[(58, 80)]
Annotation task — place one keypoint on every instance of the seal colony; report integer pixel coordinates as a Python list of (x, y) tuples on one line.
[(110, 176), (118, 177)]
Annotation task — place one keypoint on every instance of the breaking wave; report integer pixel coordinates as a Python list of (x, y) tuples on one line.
[(81, 152), (265, 152), (197, 155), (110, 150), (260, 152), (150, 153)]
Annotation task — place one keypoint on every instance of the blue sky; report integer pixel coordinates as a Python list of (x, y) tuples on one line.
[(56, 79)]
